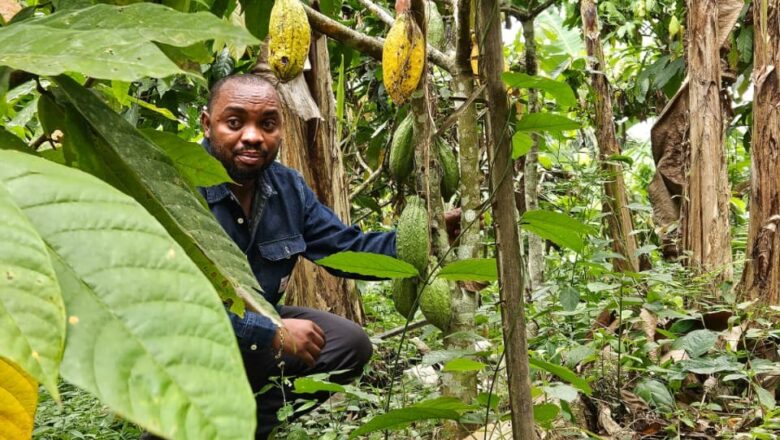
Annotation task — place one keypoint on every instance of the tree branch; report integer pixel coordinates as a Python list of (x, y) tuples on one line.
[(378, 11), (370, 46), (523, 15)]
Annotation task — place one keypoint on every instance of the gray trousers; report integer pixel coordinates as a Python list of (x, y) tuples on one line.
[(347, 347)]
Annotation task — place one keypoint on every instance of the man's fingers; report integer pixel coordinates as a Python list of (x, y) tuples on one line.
[(320, 333), (318, 339)]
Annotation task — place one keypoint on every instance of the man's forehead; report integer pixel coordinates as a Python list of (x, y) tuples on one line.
[(237, 93)]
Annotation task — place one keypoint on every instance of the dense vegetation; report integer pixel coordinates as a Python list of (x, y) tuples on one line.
[(634, 329)]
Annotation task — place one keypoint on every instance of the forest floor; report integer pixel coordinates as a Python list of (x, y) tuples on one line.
[(659, 372)]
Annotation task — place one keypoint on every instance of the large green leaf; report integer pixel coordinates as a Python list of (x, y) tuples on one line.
[(112, 42), (540, 122), (192, 160), (557, 89), (563, 373), (472, 269), (257, 14), (556, 227), (147, 333), (445, 408), (656, 394), (121, 155), (697, 342), (32, 316), (366, 263)]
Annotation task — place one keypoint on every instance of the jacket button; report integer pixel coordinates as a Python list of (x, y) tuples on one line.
[(240, 221)]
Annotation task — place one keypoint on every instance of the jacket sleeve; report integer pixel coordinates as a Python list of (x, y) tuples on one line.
[(254, 331), (325, 234)]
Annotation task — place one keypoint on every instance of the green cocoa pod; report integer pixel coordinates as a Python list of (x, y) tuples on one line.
[(402, 150), (435, 26), (436, 304), (412, 244), (405, 296), (450, 177)]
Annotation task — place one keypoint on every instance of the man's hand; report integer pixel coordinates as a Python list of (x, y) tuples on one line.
[(302, 338)]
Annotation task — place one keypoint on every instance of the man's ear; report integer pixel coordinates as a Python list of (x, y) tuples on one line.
[(205, 124)]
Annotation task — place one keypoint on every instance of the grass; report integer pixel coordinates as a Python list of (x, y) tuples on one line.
[(80, 416)]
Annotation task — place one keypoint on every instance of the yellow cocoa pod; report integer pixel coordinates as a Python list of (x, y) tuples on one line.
[(289, 35), (403, 57)]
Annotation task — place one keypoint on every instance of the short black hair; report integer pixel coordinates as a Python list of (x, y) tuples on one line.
[(244, 78)]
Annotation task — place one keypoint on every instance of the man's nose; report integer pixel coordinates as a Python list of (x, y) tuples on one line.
[(251, 135)]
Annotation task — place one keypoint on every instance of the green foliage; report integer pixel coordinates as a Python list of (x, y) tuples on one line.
[(112, 42), (127, 159), (192, 161), (559, 90), (556, 227), (32, 315), (365, 263), (96, 240), (470, 269)]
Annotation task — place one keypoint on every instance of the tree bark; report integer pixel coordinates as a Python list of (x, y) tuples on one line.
[(464, 302), (531, 165), (705, 206), (761, 277), (615, 206), (505, 222), (310, 147)]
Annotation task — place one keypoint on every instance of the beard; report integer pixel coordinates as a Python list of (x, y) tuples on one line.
[(237, 172)]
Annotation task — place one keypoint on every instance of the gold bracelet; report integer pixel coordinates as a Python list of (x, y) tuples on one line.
[(278, 355)]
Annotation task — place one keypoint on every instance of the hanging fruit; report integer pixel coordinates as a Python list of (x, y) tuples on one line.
[(289, 37), (403, 55)]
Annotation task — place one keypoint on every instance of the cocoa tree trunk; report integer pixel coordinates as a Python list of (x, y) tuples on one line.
[(615, 206), (531, 166), (761, 278), (705, 204), (505, 222), (463, 385)]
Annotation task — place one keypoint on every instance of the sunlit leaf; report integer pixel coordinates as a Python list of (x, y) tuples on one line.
[(557, 89), (697, 342), (115, 151), (471, 269), (463, 364), (191, 159), (556, 227), (563, 373), (541, 122), (110, 42), (144, 325), (32, 315), (370, 264)]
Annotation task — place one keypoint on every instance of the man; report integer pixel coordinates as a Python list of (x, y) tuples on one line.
[(274, 217)]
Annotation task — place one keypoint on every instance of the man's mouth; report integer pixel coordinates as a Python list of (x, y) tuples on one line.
[(249, 157)]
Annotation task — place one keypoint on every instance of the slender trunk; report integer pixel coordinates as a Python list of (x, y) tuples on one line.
[(761, 278), (464, 301), (615, 207), (705, 204), (531, 168), (505, 222)]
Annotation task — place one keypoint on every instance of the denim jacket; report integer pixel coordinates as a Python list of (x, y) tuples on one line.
[(288, 221)]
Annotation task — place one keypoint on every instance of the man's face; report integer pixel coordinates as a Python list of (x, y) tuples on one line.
[(244, 128)]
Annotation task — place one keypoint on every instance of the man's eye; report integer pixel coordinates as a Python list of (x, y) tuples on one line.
[(234, 123), (269, 124)]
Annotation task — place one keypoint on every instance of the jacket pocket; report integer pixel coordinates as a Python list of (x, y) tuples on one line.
[(283, 248)]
